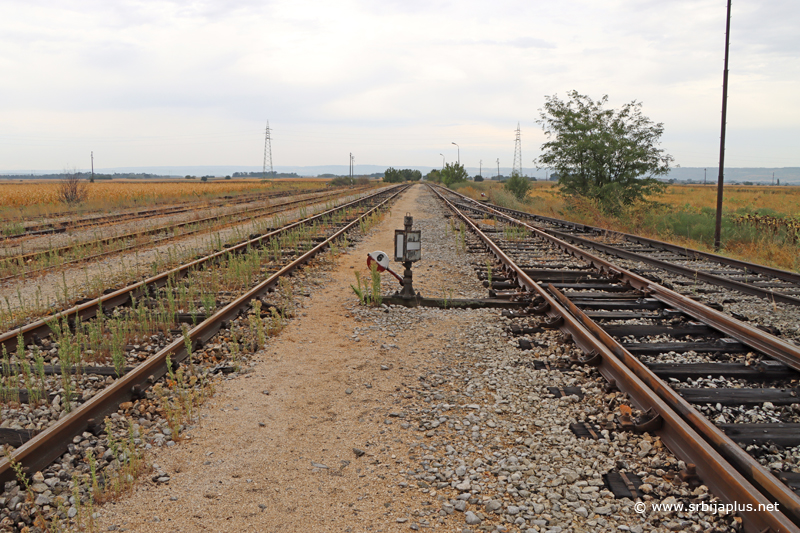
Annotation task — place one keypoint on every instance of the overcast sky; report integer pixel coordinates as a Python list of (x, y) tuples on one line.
[(144, 83)]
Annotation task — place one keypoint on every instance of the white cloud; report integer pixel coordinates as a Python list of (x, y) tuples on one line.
[(169, 83)]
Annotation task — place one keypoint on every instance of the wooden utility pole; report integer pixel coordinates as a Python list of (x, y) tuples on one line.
[(718, 226)]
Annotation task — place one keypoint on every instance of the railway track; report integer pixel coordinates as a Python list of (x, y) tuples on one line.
[(243, 285), (63, 225), (44, 260), (721, 394), (772, 284)]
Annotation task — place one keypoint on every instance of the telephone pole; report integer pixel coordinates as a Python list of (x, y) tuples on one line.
[(267, 152), (352, 159), (773, 174), (498, 168), (718, 226), (517, 165)]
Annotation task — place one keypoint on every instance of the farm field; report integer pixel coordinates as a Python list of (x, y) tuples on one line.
[(37, 199), (760, 224)]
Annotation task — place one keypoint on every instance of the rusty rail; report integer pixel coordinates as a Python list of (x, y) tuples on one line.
[(21, 259), (48, 445), (713, 279), (62, 224), (123, 296), (770, 345), (785, 275), (676, 432)]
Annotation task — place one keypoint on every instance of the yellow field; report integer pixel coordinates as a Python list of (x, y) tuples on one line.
[(784, 200), (32, 198), (30, 193)]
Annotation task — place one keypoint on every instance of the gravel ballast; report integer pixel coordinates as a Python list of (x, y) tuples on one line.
[(396, 419)]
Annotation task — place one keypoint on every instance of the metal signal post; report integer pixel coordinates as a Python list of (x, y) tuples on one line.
[(408, 250)]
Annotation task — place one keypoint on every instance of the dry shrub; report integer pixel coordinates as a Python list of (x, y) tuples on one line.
[(71, 189)]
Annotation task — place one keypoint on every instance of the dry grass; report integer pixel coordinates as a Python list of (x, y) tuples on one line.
[(30, 199), (31, 193), (785, 200)]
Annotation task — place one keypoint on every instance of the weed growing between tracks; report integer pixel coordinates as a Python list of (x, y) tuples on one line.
[(459, 232), (104, 339), (108, 465), (27, 309), (79, 251)]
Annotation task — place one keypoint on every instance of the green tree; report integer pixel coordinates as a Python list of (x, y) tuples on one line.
[(434, 175), (610, 156), (478, 177), (411, 175), (392, 176), (517, 185), (453, 173)]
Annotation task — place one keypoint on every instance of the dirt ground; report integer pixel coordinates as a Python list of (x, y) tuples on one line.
[(274, 450)]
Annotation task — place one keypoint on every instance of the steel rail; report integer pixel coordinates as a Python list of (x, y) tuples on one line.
[(61, 250), (770, 345), (61, 225), (752, 470), (713, 279), (123, 296), (685, 271), (675, 432), (48, 445), (785, 275), (262, 211)]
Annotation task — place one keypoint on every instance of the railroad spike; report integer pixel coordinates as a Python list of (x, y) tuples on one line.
[(553, 323), (649, 422), (540, 309), (689, 475)]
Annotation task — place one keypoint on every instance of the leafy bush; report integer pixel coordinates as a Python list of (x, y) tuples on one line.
[(518, 186), (453, 173)]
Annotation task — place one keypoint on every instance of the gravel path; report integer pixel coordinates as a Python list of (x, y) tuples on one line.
[(394, 419)]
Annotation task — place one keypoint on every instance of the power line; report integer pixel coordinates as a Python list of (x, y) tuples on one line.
[(267, 150), (517, 165)]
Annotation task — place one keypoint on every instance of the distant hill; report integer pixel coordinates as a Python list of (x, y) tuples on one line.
[(762, 176), (786, 175)]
